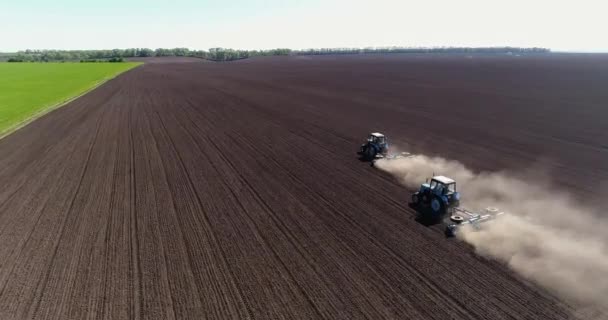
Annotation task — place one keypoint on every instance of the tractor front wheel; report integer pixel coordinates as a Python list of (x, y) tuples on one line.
[(362, 149), (416, 199), (425, 199)]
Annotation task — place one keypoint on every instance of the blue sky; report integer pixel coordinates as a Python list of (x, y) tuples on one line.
[(69, 24)]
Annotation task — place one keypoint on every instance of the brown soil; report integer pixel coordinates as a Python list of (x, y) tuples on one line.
[(232, 190), (166, 59)]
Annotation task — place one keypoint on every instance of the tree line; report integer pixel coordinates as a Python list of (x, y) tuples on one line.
[(81, 55), (445, 50), (224, 54), (216, 54)]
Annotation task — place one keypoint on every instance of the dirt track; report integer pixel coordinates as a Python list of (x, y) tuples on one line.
[(219, 190)]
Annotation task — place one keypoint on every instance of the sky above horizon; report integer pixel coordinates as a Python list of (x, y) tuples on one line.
[(241, 24)]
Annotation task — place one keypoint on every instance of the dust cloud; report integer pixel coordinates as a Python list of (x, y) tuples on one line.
[(546, 236)]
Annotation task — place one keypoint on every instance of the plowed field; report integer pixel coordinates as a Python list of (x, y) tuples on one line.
[(232, 190)]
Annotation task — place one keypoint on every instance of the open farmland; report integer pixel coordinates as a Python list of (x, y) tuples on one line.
[(232, 190), (29, 89)]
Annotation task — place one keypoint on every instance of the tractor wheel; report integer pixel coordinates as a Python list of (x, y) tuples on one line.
[(425, 199), (370, 153), (437, 207), (361, 149)]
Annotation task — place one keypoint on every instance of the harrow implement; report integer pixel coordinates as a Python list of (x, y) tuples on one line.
[(462, 217)]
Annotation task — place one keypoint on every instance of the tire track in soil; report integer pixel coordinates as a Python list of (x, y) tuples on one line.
[(203, 239), (161, 229), (386, 284), (257, 150), (439, 283), (268, 208), (62, 207), (80, 283), (27, 257), (238, 202)]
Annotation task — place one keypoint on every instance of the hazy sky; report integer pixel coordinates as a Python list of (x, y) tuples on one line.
[(76, 24)]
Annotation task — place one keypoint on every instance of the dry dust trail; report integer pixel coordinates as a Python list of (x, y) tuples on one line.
[(546, 235)]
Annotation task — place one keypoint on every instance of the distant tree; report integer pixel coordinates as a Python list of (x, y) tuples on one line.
[(145, 52), (181, 52)]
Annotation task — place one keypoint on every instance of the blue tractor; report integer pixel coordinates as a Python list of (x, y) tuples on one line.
[(376, 146), (436, 198)]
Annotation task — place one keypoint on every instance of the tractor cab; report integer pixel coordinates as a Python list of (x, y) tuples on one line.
[(377, 138), (376, 145), (440, 195), (442, 186)]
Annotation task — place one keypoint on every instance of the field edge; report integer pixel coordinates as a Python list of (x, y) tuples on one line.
[(11, 129)]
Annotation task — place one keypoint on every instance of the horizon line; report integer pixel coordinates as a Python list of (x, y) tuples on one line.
[(550, 50)]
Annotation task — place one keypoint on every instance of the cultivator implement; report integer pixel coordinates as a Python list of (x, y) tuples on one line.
[(463, 218), (389, 157), (394, 156), (398, 156)]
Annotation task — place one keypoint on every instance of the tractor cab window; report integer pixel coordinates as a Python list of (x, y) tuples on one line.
[(440, 188), (433, 184), (452, 187)]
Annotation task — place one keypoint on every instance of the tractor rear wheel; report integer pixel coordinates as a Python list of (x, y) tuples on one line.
[(370, 153), (437, 207)]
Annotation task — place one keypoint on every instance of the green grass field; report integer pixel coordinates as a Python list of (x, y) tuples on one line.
[(28, 90)]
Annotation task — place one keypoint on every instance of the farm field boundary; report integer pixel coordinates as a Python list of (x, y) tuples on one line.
[(27, 96)]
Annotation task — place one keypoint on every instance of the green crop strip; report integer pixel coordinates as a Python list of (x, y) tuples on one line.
[(28, 90)]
